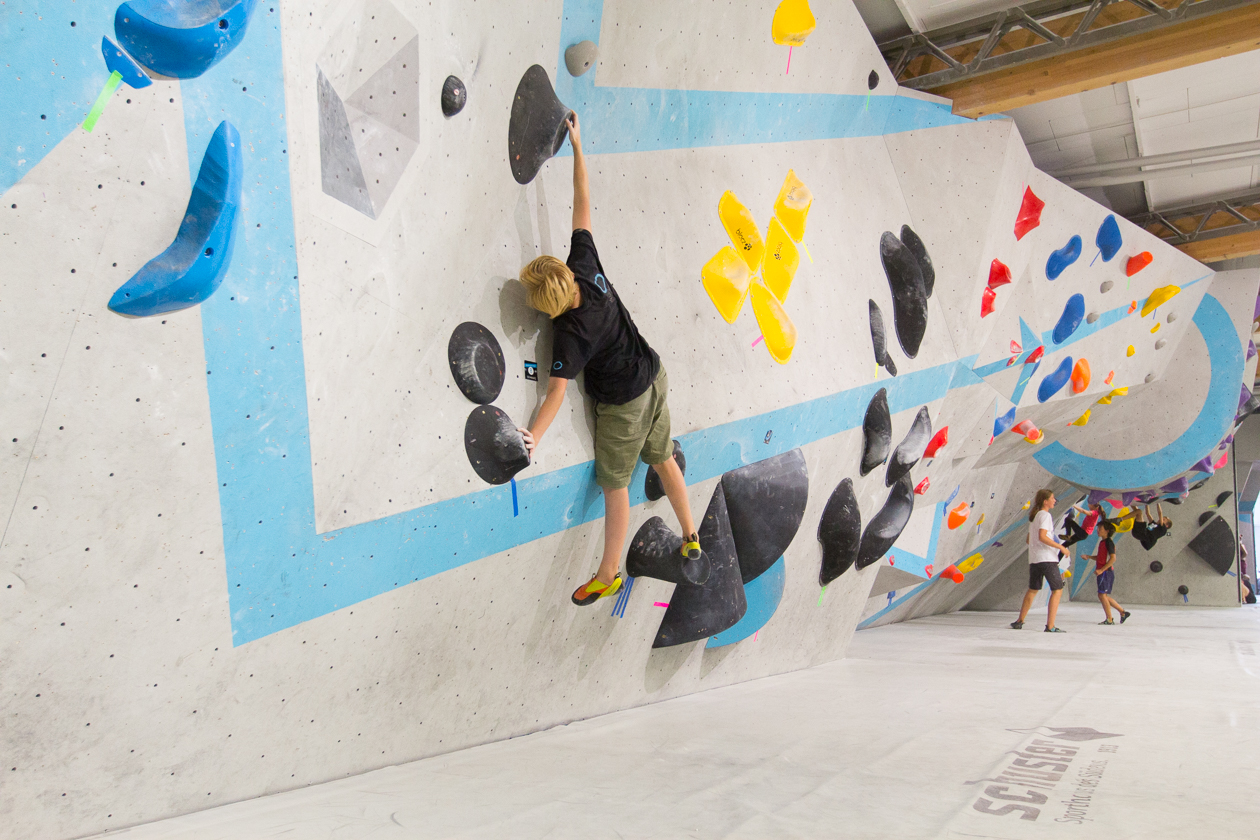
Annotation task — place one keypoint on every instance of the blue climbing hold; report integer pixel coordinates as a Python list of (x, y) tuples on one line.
[(1002, 423), (117, 61), (1062, 258), (1054, 382), (181, 38), (1109, 239), (1073, 314), (954, 495), (193, 266)]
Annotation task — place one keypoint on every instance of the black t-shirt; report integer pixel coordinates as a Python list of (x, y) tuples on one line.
[(1148, 534), (599, 335)]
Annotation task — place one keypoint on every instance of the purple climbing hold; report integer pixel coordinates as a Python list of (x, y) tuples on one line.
[(1243, 396), (1128, 498), (1096, 496), (1251, 350), (1205, 465), (1176, 486)]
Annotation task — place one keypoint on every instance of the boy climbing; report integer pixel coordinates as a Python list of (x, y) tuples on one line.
[(1105, 574), (594, 332), (1146, 528)]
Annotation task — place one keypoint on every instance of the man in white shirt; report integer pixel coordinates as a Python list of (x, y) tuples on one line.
[(1043, 560)]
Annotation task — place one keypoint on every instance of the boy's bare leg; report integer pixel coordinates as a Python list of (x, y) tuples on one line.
[(676, 488), (1116, 604), (1054, 607), (1106, 605), (616, 524), (1029, 596)]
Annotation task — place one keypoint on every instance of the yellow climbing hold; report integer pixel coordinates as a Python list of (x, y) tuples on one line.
[(776, 326), (1130, 351), (1027, 505), (1116, 392), (1155, 328), (970, 563), (779, 265), (742, 230), (1123, 526), (726, 279), (1083, 419), (793, 22), (792, 205), (1158, 298), (980, 521)]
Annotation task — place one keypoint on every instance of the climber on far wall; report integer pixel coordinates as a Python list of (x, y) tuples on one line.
[(594, 332), (1043, 560)]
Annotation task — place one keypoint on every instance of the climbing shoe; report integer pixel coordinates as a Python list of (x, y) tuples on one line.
[(1124, 616), (691, 547), (1017, 625), (1054, 630), (593, 590), (1109, 621)]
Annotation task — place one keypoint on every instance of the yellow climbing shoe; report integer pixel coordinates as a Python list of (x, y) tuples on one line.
[(691, 547), (593, 590)]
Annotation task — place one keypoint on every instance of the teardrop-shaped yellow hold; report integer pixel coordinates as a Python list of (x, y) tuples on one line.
[(1083, 419), (776, 327), (726, 279), (1158, 298), (793, 21), (1130, 351), (779, 265), (1123, 526), (792, 205), (742, 230), (1119, 392), (970, 563)]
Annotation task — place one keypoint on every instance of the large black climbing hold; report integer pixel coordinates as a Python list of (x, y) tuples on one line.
[(1157, 566), (879, 339), (697, 612), (872, 81), (888, 524), (494, 445), (765, 502), (537, 128), (476, 361), (655, 553), (905, 280), (1204, 517), (876, 432), (1223, 497), (912, 241), (907, 453), (454, 96), (1216, 545), (840, 532), (652, 486)]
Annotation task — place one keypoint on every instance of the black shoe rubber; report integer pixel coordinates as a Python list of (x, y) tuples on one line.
[(1017, 625), (1124, 617)]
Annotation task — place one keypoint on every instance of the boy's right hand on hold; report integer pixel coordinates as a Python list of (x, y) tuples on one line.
[(529, 441), (575, 130)]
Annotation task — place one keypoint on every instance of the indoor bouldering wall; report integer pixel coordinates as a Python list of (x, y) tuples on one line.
[(268, 521)]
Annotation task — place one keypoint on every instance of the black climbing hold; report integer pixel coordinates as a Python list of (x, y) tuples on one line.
[(1216, 544), (879, 340), (494, 445), (1157, 566), (888, 524), (840, 532), (454, 96), (1249, 407), (697, 612), (580, 57), (1198, 484), (872, 81), (654, 553), (1222, 497), (905, 280), (652, 486), (537, 128), (1204, 517), (907, 453), (476, 362), (1183, 590), (876, 432), (765, 502), (912, 241)]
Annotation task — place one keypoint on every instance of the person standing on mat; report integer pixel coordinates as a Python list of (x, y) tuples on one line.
[(1043, 560), (594, 332), (1105, 573)]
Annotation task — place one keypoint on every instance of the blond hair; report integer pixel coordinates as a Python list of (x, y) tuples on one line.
[(549, 285)]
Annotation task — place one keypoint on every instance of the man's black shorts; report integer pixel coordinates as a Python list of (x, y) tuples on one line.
[(1049, 572)]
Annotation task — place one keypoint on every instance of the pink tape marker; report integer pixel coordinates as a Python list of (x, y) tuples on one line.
[(660, 604), (758, 341)]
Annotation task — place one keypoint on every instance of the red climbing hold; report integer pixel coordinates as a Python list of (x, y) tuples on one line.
[(986, 302), (1029, 213), (922, 486), (927, 570), (999, 274), (1016, 347), (938, 440), (1035, 356), (1138, 263), (951, 572)]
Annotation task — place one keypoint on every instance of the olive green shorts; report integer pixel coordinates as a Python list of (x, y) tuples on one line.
[(626, 433)]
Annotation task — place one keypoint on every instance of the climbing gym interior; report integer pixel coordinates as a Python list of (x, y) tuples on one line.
[(279, 561)]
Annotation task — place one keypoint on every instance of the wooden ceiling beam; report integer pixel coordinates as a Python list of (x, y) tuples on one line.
[(1223, 247), (1169, 48)]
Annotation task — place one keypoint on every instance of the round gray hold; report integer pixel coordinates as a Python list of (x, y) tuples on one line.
[(580, 57), (1150, 377), (1091, 317), (1106, 286), (1170, 317), (1159, 345)]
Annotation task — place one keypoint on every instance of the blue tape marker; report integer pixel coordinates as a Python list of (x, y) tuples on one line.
[(516, 511)]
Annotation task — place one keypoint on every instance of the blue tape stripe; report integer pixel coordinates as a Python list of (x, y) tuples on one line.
[(516, 511)]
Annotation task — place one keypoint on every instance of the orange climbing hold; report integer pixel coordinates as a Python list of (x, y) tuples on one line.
[(792, 205), (776, 326), (779, 265), (1110, 377), (742, 230), (958, 515), (1029, 213), (793, 22), (937, 442), (923, 486), (726, 279), (1136, 264), (986, 302), (1133, 307), (1030, 432), (999, 274), (952, 573), (1080, 376)]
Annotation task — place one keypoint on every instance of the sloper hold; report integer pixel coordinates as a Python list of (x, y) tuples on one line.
[(697, 612), (792, 23), (191, 269), (876, 432), (1070, 320), (1109, 239), (741, 227), (912, 241), (879, 340), (840, 532), (580, 57), (117, 61), (454, 96), (905, 281), (476, 361), (781, 260), (776, 327), (792, 205), (872, 81), (726, 279), (537, 128), (652, 487), (654, 552), (887, 525), (906, 455), (1059, 260), (1205, 517), (1029, 213), (1054, 381), (1158, 298), (1216, 545), (494, 445), (181, 38), (765, 502)]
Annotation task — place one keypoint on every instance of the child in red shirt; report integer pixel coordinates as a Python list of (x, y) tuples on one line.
[(1104, 561)]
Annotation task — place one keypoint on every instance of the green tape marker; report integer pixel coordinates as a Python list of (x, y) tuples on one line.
[(820, 594), (115, 79)]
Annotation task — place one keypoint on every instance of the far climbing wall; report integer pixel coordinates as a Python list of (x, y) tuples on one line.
[(279, 529)]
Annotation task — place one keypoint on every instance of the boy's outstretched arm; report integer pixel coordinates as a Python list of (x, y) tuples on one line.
[(546, 413), (581, 186)]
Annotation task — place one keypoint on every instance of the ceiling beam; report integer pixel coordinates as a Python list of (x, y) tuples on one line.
[(1169, 48), (1223, 247)]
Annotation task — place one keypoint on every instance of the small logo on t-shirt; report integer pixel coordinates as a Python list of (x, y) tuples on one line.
[(557, 366), (601, 283)]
